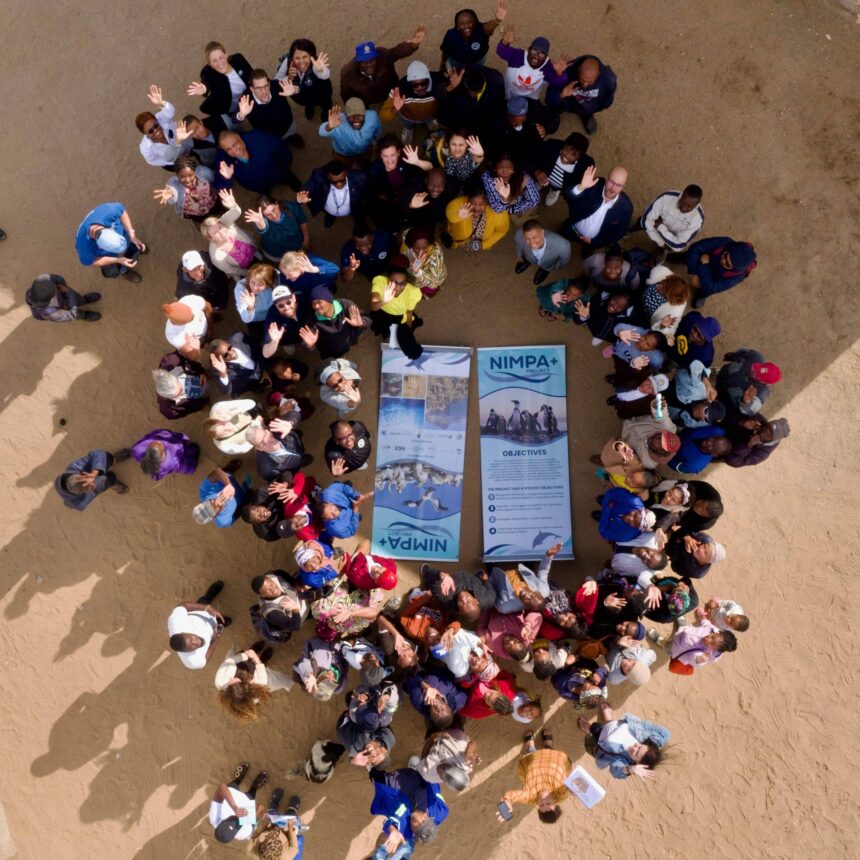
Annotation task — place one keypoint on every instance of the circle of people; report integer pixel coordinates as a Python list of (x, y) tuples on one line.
[(473, 151)]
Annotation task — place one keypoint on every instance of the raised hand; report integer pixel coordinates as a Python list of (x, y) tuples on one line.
[(418, 35), (281, 426), (589, 178), (309, 336), (246, 105), (228, 201), (397, 99), (288, 88), (410, 155), (154, 95), (464, 211), (256, 217), (628, 335), (164, 195), (276, 332), (501, 10), (509, 35), (455, 76), (303, 197), (320, 63), (195, 88), (338, 467), (182, 132), (354, 263), (640, 361), (642, 772), (218, 364), (583, 311), (560, 64), (589, 587), (249, 300), (389, 292), (335, 117), (568, 90), (502, 188), (418, 200), (226, 170), (475, 147), (540, 130), (353, 317)]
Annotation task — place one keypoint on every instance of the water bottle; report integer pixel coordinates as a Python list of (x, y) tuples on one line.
[(392, 337)]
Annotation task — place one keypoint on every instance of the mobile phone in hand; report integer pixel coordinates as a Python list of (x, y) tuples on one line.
[(505, 811)]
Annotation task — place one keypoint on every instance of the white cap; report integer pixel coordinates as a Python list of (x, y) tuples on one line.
[(191, 260), (281, 293)]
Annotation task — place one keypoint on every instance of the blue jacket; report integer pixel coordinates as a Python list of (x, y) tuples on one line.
[(346, 524), (397, 794), (439, 679), (617, 220), (228, 514), (269, 159), (627, 351), (318, 187), (302, 286), (684, 352), (318, 578), (376, 262), (713, 278), (346, 140), (97, 460), (597, 97), (616, 502), (690, 459), (614, 757), (108, 215)]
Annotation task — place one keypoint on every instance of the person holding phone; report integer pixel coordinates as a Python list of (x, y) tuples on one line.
[(543, 773)]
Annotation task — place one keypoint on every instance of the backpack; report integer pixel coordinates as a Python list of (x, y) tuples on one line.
[(272, 635)]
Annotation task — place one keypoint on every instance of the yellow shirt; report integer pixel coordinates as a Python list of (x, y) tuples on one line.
[(399, 305), (544, 770)]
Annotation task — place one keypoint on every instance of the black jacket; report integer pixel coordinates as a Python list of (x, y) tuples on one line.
[(215, 286), (318, 187), (219, 96), (546, 157), (276, 116), (617, 220)]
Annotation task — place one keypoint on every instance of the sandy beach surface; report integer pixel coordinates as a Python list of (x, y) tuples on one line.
[(112, 749)]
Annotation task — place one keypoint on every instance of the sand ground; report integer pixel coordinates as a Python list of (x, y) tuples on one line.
[(111, 749)]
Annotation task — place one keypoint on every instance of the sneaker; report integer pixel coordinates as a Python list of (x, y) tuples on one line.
[(132, 276), (90, 298), (699, 302), (89, 316), (406, 135), (214, 590), (294, 804), (2, 235), (446, 239), (275, 801), (552, 197), (227, 621), (596, 341), (590, 125)]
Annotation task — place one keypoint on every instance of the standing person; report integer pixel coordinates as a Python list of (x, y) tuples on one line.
[(180, 386), (187, 324), (339, 385), (754, 440), (266, 111), (426, 260), (352, 129), (302, 272), (204, 137), (672, 220), (718, 264), (235, 362), (221, 497), (599, 210), (51, 299), (89, 476), (744, 381), (472, 224), (371, 74), (389, 177), (282, 225), (528, 72), (543, 248), (257, 160), (543, 773), (349, 447), (588, 89), (233, 813), (561, 164), (162, 142), (334, 326), (336, 190), (468, 41), (223, 81), (459, 154), (698, 646), (191, 191), (163, 452), (195, 628), (254, 294), (366, 253), (231, 249), (107, 239), (284, 322), (392, 303), (245, 683), (309, 71), (197, 276), (415, 100)]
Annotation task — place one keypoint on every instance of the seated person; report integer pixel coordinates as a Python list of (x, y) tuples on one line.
[(321, 670)]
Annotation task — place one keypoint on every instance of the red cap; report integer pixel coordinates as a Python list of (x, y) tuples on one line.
[(767, 372), (670, 442)]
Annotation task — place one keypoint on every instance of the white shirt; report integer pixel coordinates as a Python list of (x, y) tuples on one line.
[(243, 357), (617, 732), (164, 154), (237, 88), (559, 169), (337, 203), (198, 623), (677, 229), (219, 810), (538, 253), (590, 227), (175, 334)]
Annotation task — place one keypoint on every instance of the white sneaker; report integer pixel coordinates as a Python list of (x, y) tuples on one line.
[(596, 341), (552, 197), (413, 762), (406, 134)]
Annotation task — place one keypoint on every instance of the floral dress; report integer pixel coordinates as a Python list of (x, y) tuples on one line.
[(339, 600), (431, 273)]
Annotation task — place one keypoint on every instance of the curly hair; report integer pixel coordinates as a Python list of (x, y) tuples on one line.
[(270, 846), (243, 700)]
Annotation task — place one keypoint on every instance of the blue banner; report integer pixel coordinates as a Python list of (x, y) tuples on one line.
[(525, 478), (420, 448)]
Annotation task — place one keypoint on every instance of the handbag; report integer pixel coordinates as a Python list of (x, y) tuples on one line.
[(679, 668)]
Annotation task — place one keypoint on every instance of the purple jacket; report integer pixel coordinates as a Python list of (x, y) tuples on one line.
[(180, 453)]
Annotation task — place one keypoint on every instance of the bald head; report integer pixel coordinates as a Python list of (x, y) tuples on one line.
[(588, 71), (232, 144), (615, 182)]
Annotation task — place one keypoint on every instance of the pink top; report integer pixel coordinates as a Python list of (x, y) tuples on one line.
[(687, 644), (242, 253), (493, 626)]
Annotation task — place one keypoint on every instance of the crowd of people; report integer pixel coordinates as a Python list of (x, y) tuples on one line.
[(427, 165)]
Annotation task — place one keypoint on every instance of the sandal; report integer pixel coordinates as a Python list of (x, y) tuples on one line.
[(547, 739), (293, 805), (547, 315), (528, 737), (277, 797), (260, 780), (584, 725), (241, 771)]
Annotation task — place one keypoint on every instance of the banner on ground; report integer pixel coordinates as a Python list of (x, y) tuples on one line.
[(525, 479), (421, 445)]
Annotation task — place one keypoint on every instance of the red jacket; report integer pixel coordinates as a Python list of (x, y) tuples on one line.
[(476, 707)]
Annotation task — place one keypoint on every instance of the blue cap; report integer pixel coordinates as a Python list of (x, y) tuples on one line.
[(541, 43), (365, 51), (518, 106)]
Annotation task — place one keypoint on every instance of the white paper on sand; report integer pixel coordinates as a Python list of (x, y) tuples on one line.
[(585, 787)]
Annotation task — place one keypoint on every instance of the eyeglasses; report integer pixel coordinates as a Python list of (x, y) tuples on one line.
[(345, 437), (264, 86), (152, 129), (284, 303)]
